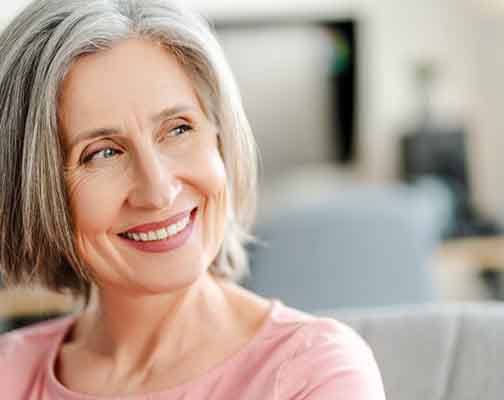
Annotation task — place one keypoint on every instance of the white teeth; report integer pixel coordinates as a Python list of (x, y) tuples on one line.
[(159, 234), (162, 234), (172, 229)]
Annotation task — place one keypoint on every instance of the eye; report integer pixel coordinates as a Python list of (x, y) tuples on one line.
[(105, 153), (180, 130)]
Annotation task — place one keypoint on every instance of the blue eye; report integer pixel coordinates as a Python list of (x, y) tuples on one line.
[(181, 129), (105, 153)]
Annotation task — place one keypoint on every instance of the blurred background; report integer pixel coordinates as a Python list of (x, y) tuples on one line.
[(379, 128)]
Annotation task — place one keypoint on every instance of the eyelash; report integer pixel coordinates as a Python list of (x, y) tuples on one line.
[(86, 159)]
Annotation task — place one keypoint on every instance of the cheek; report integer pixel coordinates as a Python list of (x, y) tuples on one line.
[(93, 202), (215, 178), (214, 213)]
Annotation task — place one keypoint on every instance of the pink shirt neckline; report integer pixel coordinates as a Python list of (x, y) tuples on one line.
[(55, 387)]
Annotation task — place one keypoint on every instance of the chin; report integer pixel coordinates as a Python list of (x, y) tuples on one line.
[(169, 281)]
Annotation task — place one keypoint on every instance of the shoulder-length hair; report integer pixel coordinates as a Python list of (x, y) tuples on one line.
[(37, 50)]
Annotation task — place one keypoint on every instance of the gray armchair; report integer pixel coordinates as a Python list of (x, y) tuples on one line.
[(435, 352)]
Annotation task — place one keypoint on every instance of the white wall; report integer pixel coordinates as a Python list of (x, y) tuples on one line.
[(395, 34), (489, 113)]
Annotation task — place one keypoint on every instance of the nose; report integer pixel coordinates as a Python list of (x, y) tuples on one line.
[(155, 182)]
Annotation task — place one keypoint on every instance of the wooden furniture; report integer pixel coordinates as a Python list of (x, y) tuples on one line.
[(24, 302), (471, 268), (484, 253)]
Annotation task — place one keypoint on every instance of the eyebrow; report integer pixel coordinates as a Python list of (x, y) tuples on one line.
[(156, 119)]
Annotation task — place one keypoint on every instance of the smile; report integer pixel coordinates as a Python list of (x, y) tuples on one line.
[(167, 235), (159, 234)]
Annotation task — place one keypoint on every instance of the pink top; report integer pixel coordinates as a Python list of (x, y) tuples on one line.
[(294, 356)]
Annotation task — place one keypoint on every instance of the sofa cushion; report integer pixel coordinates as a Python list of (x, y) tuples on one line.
[(445, 352)]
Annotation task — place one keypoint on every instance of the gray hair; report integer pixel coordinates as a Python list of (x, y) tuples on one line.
[(37, 50)]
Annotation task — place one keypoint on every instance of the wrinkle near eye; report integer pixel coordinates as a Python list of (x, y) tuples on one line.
[(76, 176)]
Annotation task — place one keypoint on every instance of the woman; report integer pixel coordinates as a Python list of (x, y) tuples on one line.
[(128, 179)]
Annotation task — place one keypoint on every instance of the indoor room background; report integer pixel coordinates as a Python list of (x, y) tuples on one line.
[(379, 127)]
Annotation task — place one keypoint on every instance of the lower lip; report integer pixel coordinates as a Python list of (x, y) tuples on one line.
[(164, 245)]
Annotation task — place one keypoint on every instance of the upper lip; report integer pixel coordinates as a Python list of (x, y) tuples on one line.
[(154, 226)]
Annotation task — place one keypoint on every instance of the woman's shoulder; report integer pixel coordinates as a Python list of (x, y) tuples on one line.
[(327, 358), (323, 335), (309, 329), (28, 347)]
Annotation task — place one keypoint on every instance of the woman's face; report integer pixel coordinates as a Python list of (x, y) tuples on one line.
[(146, 182)]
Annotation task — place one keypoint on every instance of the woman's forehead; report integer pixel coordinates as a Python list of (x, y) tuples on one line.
[(135, 79)]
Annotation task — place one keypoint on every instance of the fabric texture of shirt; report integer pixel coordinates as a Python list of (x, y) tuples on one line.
[(293, 356)]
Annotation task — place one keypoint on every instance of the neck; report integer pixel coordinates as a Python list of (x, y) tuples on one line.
[(137, 331)]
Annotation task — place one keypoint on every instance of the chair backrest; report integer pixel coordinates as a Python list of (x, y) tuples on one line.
[(434, 352), (364, 247)]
